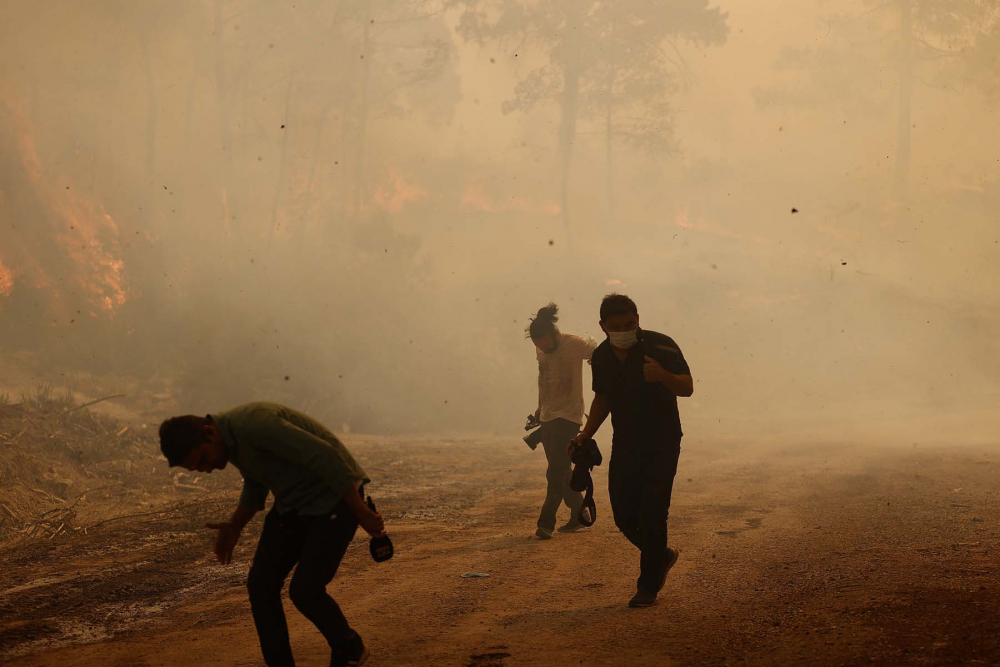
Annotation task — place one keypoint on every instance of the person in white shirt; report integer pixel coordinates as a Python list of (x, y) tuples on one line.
[(560, 410)]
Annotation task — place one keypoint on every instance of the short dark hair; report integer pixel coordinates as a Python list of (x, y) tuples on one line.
[(180, 435), (544, 322), (617, 304)]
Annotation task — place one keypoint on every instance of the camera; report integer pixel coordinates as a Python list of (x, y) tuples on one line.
[(532, 423), (535, 437), (585, 455), (380, 547)]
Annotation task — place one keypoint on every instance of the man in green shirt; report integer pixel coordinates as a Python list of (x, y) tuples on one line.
[(318, 505)]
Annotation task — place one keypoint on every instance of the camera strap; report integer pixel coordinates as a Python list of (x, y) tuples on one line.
[(588, 510), (585, 458)]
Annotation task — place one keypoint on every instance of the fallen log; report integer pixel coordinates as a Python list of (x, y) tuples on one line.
[(87, 405)]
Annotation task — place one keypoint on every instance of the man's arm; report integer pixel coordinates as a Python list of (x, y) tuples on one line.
[(600, 408), (538, 411), (229, 532), (372, 522), (254, 495), (681, 385), (241, 516), (252, 500)]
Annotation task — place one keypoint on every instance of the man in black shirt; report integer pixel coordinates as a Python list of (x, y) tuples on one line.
[(637, 377)]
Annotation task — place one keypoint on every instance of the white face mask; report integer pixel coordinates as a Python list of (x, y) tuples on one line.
[(623, 340)]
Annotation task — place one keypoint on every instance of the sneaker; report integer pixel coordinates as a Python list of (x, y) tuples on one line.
[(352, 654), (642, 598), (571, 526), (543, 534), (672, 555)]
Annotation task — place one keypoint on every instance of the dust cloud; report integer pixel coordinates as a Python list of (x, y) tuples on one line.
[(354, 207)]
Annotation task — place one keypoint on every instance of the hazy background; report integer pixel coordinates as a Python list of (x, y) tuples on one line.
[(353, 207)]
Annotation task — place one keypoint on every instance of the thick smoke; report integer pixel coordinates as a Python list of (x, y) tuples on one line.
[(355, 207)]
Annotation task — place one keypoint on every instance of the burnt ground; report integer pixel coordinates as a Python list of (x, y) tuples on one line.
[(809, 554)]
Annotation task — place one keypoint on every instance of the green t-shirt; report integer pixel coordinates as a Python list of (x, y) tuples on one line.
[(287, 453)]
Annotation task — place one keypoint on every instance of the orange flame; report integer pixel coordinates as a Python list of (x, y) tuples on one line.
[(475, 197), (84, 232), (6, 280), (300, 205), (398, 195), (682, 221), (99, 272), (400, 192)]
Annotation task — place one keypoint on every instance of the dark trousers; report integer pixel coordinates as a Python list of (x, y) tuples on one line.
[(317, 545), (640, 487), (555, 435)]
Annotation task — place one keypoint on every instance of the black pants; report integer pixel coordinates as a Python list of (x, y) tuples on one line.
[(555, 435), (640, 487), (317, 544)]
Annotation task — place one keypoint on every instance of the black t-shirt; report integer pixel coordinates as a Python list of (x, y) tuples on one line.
[(640, 411)]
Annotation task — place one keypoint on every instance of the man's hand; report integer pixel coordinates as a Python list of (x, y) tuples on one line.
[(580, 438), (225, 540), (372, 522), (652, 371)]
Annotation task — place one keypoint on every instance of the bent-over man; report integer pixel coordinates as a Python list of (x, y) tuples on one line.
[(318, 505)]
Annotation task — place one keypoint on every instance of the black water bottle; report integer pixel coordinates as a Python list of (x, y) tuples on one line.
[(380, 547)]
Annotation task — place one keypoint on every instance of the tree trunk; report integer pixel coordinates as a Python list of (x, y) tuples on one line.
[(241, 173), (567, 133), (184, 154), (152, 109), (284, 158), (359, 153), (345, 181), (308, 198), (608, 155), (223, 118), (905, 123)]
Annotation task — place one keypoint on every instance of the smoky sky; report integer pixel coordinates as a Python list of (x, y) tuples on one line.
[(354, 207)]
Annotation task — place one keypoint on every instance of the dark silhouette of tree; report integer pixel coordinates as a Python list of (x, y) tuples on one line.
[(981, 61), (338, 66), (619, 62), (406, 65), (920, 37)]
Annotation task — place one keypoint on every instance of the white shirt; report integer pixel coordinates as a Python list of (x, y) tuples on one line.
[(560, 378)]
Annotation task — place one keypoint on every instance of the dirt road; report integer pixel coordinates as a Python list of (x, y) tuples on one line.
[(818, 554)]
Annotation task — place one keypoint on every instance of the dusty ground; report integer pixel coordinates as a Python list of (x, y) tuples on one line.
[(810, 554)]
